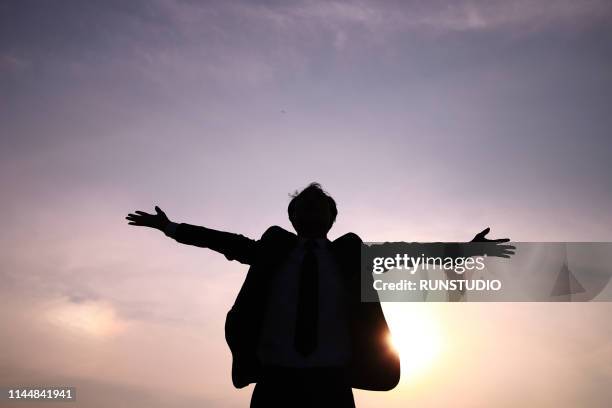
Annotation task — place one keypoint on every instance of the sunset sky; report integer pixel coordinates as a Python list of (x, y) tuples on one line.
[(425, 120)]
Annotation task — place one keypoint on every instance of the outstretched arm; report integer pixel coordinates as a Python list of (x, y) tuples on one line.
[(431, 252), (233, 246), (481, 245)]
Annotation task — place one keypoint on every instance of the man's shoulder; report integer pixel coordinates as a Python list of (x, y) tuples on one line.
[(350, 236), (276, 240), (275, 232), (278, 237)]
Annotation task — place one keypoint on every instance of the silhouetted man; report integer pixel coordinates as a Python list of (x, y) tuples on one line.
[(298, 327)]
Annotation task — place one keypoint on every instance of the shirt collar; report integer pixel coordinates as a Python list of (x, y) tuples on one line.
[(321, 242)]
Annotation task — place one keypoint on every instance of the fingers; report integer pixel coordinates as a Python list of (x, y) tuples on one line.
[(484, 231), (480, 237), (503, 251), (134, 220), (144, 219), (506, 248), (137, 219), (496, 248), (502, 255)]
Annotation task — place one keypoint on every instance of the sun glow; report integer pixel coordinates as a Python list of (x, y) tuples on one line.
[(93, 319), (416, 335)]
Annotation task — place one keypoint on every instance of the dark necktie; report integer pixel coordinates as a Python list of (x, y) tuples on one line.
[(308, 302)]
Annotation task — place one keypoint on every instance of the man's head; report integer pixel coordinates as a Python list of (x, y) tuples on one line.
[(312, 211)]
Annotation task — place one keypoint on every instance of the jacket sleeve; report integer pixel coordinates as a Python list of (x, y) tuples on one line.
[(233, 246)]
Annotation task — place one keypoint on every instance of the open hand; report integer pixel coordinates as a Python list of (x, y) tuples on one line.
[(493, 247), (143, 219)]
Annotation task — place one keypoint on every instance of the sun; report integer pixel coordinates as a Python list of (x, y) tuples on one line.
[(91, 318), (416, 335)]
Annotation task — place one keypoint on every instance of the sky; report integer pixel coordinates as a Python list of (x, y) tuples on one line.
[(425, 120)]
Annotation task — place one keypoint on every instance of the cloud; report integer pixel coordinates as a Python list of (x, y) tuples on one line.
[(10, 63), (388, 17), (518, 14), (180, 45)]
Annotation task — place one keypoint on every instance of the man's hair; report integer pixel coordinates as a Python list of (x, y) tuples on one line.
[(312, 189)]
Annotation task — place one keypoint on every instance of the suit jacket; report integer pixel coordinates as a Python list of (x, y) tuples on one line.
[(374, 365)]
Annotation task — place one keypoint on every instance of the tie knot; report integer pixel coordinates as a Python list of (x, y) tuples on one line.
[(310, 244)]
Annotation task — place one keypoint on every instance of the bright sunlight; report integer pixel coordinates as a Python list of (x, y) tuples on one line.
[(416, 335)]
